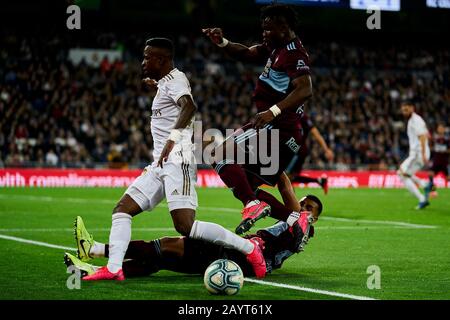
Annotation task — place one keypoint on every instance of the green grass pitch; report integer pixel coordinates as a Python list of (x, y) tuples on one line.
[(359, 228)]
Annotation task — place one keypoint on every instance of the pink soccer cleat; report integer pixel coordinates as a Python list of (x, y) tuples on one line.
[(256, 259), (104, 274), (252, 212), (323, 181)]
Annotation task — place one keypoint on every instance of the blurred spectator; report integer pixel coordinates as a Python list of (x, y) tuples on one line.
[(53, 113)]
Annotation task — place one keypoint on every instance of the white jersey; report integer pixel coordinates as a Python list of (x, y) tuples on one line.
[(165, 111), (416, 128)]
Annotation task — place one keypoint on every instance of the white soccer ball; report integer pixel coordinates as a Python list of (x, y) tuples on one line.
[(224, 277)]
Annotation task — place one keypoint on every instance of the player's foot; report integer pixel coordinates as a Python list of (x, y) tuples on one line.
[(252, 212), (83, 239), (256, 259), (422, 205), (323, 181), (85, 268), (104, 274)]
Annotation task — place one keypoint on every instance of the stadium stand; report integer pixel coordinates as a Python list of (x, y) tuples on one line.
[(53, 114)]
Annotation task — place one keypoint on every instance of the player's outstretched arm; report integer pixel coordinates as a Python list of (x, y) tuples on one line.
[(235, 50), (188, 109), (329, 154), (287, 193), (302, 91)]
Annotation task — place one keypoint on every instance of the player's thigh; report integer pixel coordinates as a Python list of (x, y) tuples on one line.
[(179, 180), (410, 165), (280, 149), (147, 190)]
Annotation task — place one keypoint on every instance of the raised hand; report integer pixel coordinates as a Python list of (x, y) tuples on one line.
[(215, 34)]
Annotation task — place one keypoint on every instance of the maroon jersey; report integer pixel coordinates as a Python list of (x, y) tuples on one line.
[(306, 128), (441, 145), (274, 84)]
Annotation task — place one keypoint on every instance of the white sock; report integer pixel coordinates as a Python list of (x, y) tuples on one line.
[(217, 234), (420, 182), (411, 186), (119, 238), (97, 250)]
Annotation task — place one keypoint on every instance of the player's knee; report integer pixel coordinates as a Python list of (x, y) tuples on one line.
[(183, 227), (119, 207)]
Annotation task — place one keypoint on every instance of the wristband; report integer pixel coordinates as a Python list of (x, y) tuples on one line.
[(275, 110), (175, 135), (224, 43)]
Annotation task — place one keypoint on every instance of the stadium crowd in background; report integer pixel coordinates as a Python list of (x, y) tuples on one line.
[(53, 113)]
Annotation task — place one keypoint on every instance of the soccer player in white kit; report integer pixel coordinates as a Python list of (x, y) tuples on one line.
[(172, 175), (419, 154)]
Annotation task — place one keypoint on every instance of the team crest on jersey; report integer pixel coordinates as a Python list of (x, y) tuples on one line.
[(301, 64), (267, 68), (157, 113)]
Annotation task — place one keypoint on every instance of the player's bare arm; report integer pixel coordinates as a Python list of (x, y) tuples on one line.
[(423, 141), (287, 193), (188, 109), (302, 91), (329, 154), (235, 50)]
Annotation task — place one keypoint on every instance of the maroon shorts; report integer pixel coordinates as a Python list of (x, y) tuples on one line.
[(440, 166), (270, 150)]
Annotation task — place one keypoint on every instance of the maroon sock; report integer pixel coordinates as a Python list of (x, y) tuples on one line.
[(140, 249), (139, 268), (278, 210), (304, 179), (144, 258), (235, 178)]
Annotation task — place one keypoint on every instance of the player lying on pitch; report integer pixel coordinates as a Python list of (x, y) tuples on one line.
[(187, 255)]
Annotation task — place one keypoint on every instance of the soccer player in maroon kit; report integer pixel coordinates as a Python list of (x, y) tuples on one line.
[(440, 155), (296, 166), (281, 91)]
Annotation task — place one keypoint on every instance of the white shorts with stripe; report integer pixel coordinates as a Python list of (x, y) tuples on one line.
[(412, 164), (175, 182)]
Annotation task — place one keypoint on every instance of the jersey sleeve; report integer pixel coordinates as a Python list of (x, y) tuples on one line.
[(420, 128), (296, 64), (178, 87)]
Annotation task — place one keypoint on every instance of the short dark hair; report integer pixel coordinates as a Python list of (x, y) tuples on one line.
[(163, 43), (275, 11), (316, 200), (407, 102)]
